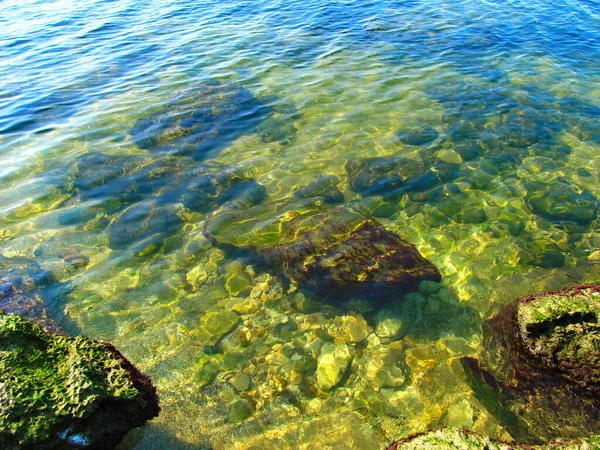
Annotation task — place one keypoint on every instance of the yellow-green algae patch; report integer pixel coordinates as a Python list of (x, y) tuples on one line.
[(455, 439)]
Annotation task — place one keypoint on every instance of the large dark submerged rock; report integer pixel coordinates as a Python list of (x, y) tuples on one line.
[(539, 374), (58, 392), (333, 251)]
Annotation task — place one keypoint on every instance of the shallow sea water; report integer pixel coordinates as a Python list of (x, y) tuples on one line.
[(125, 126)]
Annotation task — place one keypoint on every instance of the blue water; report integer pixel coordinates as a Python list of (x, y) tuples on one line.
[(125, 125)]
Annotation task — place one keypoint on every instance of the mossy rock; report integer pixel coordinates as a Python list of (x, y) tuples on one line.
[(538, 373), (58, 392), (561, 329), (455, 439)]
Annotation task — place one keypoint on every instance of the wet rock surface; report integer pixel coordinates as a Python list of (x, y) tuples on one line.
[(452, 438), (538, 374), (561, 330), (329, 251), (59, 392), (418, 136)]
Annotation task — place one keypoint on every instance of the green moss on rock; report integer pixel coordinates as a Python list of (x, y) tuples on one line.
[(63, 392), (561, 330), (454, 439)]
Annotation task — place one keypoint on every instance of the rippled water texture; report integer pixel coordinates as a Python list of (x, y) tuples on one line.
[(164, 167)]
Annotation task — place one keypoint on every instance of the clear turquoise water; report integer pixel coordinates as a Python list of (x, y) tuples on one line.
[(100, 159)]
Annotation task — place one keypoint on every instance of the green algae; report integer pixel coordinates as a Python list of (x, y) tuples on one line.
[(455, 439), (48, 382)]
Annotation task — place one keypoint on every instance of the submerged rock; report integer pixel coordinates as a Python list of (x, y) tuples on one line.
[(418, 136), (207, 192), (19, 294), (539, 372), (203, 118), (332, 365), (453, 439), (143, 228), (373, 176), (560, 201), (325, 187), (334, 252), (58, 392)]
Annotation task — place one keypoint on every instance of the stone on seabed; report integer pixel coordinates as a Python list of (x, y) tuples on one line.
[(58, 392), (332, 365)]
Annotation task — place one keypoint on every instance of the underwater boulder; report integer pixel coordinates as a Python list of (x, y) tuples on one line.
[(389, 176), (143, 225), (325, 187), (59, 392), (561, 201), (418, 136), (19, 294), (207, 192), (118, 180), (331, 251), (539, 372), (201, 119)]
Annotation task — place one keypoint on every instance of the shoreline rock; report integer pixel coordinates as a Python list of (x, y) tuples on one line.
[(455, 439), (60, 392), (538, 373)]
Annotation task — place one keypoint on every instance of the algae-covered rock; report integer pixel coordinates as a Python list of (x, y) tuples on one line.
[(20, 294), (538, 373), (325, 187), (143, 228), (560, 201), (381, 367), (58, 392), (200, 119), (332, 365), (216, 323), (455, 439), (373, 176), (331, 251), (418, 136), (561, 329)]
